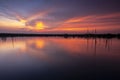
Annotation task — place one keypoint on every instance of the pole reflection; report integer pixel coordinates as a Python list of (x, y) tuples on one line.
[(75, 57), (70, 45)]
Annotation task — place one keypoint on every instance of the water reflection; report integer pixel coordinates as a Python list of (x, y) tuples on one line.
[(72, 46), (71, 58)]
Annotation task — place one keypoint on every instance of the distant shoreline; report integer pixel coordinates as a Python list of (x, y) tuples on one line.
[(61, 35)]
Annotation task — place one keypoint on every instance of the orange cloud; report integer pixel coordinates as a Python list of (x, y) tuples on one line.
[(39, 14), (39, 26), (30, 18), (4, 22), (78, 19), (21, 21), (91, 22)]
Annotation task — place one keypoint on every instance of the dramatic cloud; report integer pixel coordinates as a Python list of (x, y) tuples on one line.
[(60, 15)]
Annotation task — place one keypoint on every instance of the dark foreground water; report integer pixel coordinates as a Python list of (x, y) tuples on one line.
[(59, 59)]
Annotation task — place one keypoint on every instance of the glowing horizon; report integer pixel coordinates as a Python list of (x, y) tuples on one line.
[(63, 18)]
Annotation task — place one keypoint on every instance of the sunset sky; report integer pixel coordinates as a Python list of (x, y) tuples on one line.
[(59, 16)]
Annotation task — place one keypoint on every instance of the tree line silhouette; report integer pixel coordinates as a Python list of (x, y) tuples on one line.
[(61, 35)]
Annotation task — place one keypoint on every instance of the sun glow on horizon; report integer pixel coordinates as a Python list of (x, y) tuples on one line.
[(39, 26), (5, 22)]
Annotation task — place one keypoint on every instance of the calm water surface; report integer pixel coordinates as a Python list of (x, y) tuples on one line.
[(59, 59)]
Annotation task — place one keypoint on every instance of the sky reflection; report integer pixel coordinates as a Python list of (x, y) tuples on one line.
[(71, 46), (52, 57)]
